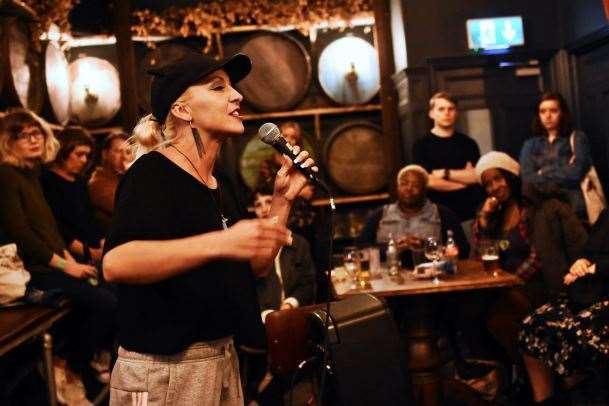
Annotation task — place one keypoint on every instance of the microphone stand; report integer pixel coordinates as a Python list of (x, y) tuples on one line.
[(326, 325), (326, 342)]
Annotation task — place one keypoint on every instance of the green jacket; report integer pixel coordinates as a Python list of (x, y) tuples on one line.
[(26, 218)]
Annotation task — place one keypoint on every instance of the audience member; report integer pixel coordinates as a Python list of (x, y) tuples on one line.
[(291, 283), (548, 160), (302, 218), (26, 142), (570, 335), (537, 238), (65, 190), (412, 218), (115, 157), (292, 132), (449, 156)]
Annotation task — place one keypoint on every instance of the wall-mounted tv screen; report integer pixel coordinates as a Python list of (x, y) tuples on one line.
[(495, 33)]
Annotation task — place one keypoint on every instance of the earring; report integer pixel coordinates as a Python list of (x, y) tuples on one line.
[(198, 142)]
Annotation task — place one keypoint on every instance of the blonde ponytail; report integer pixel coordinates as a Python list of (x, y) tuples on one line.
[(148, 135)]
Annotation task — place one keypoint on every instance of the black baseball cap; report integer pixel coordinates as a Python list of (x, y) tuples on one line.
[(171, 80)]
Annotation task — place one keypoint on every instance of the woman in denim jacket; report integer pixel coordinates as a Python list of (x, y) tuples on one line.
[(548, 161)]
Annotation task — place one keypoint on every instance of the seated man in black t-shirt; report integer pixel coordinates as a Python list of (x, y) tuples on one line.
[(449, 157)]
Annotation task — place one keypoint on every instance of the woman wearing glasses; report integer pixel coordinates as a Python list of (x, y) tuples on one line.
[(26, 142)]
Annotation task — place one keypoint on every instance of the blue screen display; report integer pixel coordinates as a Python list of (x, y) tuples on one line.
[(495, 33)]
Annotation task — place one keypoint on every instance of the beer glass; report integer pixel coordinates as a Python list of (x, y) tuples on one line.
[(363, 276), (489, 253)]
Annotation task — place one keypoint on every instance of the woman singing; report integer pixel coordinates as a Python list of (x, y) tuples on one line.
[(183, 260)]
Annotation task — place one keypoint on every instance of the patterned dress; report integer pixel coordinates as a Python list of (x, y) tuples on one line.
[(567, 341), (567, 336)]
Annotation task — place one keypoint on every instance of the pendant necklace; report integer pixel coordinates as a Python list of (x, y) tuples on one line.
[(223, 218)]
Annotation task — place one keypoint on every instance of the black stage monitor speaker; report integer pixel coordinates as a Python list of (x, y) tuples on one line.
[(366, 356)]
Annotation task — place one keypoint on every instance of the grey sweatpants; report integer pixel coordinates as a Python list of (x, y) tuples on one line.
[(205, 374)]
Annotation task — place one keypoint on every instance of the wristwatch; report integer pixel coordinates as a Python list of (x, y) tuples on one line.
[(446, 174)]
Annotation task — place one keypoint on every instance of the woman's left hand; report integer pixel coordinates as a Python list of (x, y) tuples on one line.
[(581, 267), (289, 180)]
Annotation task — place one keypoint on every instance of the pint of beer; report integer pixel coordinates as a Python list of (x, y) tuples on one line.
[(363, 276), (489, 253), (490, 262)]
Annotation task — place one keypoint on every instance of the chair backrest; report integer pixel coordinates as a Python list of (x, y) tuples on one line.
[(288, 338)]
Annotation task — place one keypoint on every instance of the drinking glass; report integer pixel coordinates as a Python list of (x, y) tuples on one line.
[(375, 262), (489, 253), (351, 261), (433, 252), (363, 276)]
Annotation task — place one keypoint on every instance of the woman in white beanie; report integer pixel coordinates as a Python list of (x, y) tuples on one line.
[(537, 238)]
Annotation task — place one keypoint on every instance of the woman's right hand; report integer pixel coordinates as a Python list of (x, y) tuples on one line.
[(80, 271), (254, 239), (491, 204)]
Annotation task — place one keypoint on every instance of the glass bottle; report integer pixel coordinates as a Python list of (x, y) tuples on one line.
[(451, 252), (393, 261)]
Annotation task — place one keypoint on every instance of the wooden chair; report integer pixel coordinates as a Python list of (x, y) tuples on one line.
[(288, 344), (288, 340)]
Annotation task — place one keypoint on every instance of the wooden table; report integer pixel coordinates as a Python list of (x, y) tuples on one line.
[(21, 324), (422, 353)]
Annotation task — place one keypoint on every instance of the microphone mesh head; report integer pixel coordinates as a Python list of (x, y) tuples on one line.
[(269, 133)]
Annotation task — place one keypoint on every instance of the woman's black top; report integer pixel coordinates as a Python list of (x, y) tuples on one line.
[(72, 208), (157, 200), (592, 288)]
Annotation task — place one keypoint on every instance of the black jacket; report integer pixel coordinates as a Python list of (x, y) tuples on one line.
[(297, 273), (594, 287)]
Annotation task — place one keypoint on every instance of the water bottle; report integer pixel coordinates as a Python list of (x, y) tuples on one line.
[(451, 252), (393, 262)]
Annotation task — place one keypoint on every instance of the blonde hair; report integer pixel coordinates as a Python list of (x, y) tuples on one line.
[(11, 124), (442, 95), (414, 168), (149, 134)]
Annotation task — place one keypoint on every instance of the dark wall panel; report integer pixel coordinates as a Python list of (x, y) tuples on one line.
[(581, 18), (593, 72), (436, 28)]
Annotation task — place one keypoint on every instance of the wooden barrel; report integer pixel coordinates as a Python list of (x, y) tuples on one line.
[(348, 71), (354, 159), (2, 68), (95, 94), (162, 55), (281, 72), (22, 65), (57, 82)]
